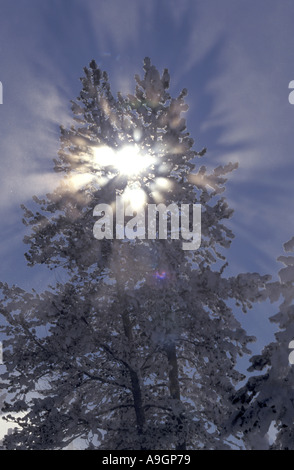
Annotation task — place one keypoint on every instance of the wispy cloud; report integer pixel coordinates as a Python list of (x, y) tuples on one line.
[(246, 118), (250, 119)]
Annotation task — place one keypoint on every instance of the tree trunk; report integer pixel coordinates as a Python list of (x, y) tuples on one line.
[(174, 389), (135, 381), (127, 327)]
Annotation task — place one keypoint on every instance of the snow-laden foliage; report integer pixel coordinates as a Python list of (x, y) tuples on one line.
[(138, 348), (265, 404)]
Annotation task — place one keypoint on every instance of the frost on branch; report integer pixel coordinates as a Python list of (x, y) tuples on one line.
[(266, 413)]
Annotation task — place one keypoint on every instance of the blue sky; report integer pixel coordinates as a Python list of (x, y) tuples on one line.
[(236, 57)]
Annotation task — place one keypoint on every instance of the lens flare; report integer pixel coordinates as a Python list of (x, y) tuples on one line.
[(161, 275)]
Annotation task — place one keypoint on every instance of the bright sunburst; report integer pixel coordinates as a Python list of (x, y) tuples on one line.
[(128, 160)]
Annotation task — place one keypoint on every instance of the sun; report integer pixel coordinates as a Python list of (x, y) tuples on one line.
[(137, 166), (128, 160)]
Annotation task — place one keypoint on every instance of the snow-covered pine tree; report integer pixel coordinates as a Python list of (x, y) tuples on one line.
[(265, 414), (137, 348)]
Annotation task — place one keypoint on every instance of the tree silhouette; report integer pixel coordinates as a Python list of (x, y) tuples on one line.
[(137, 348)]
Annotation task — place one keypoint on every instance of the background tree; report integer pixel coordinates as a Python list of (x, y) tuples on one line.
[(265, 414), (137, 348)]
